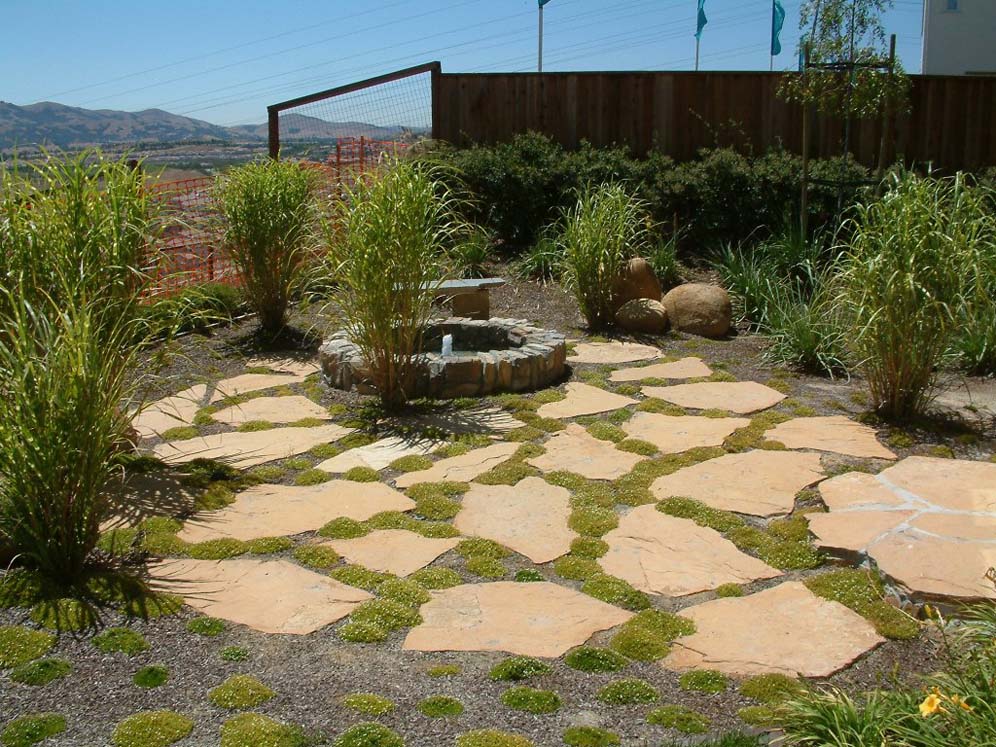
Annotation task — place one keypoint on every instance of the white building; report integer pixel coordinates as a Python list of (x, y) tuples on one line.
[(959, 37)]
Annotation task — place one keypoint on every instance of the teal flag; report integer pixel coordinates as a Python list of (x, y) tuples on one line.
[(543, 2), (777, 21), (702, 20)]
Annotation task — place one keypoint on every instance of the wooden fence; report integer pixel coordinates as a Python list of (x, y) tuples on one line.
[(950, 122)]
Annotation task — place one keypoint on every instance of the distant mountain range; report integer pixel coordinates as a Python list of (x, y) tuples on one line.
[(51, 124)]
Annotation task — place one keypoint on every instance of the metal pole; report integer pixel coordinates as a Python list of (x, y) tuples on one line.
[(697, 42), (539, 66)]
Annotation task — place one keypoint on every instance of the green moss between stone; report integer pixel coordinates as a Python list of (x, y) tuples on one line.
[(151, 729), (362, 474), (530, 700), (440, 706), (660, 407), (343, 528), (486, 567), (267, 473), (296, 463), (507, 473), (592, 659), (704, 680), (593, 521), (576, 568), (321, 557), (590, 736), (404, 591), (269, 545), (239, 692), (385, 614), (31, 729), (771, 688), (356, 440), (369, 735), (637, 446), (528, 575), (444, 670), (360, 577), (368, 703), (793, 529), (492, 738), (436, 578), (154, 675), (256, 730), (206, 626), (862, 592), (589, 547), (41, 671), (524, 434), (217, 549), (680, 718), (152, 606), (180, 433), (437, 508), (252, 426), (234, 653), (312, 476), (647, 635), (759, 716), (216, 496), (121, 640), (478, 547), (606, 431), (729, 590), (307, 423), (518, 668), (615, 591), (628, 692), (547, 396), (411, 463), (325, 451), (64, 615)]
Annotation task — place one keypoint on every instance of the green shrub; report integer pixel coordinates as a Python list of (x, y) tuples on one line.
[(239, 692), (151, 676), (440, 706), (519, 668), (271, 221), (373, 705), (395, 229), (589, 736), (32, 728), (151, 729), (256, 730), (369, 735), (122, 640), (679, 717), (591, 659), (206, 626), (628, 692), (41, 671), (530, 700)]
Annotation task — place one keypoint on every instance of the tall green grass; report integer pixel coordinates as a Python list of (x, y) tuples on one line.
[(605, 227), (271, 229), (388, 257)]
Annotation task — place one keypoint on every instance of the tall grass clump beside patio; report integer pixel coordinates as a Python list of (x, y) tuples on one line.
[(271, 224), (911, 258), (391, 237), (74, 240), (605, 227)]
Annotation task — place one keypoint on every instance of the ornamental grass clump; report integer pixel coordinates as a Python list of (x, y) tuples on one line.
[(271, 224), (606, 227), (387, 256)]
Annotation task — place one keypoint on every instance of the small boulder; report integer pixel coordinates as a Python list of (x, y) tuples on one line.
[(642, 315), (699, 309), (636, 280)]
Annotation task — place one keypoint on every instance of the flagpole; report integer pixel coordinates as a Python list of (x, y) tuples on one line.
[(697, 42), (539, 66), (771, 45)]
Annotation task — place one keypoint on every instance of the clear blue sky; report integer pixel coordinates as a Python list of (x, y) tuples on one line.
[(225, 60)]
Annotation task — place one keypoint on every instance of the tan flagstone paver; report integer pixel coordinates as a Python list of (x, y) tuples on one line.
[(609, 353), (249, 449), (760, 483), (534, 619), (575, 450), (741, 397), (785, 630), (271, 596), (463, 468), (380, 453), (662, 554), (170, 412), (927, 523), (283, 510), (529, 517), (675, 433), (583, 399), (143, 495), (686, 368), (836, 433), (392, 550), (273, 409), (250, 382), (283, 364), (483, 420)]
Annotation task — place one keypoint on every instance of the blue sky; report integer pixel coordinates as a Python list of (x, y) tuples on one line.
[(225, 60)]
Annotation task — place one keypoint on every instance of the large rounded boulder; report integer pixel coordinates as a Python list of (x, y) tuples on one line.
[(636, 280), (699, 309), (642, 315)]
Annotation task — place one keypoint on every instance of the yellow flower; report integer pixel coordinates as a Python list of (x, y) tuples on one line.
[(930, 705), (958, 701)]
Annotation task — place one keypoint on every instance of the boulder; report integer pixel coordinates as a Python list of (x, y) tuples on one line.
[(636, 280), (699, 309), (642, 315)]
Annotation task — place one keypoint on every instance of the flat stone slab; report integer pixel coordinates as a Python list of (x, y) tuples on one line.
[(836, 433), (759, 483), (686, 368), (535, 619), (463, 468), (244, 450), (575, 450), (929, 524), (529, 517), (252, 382), (483, 420), (380, 453), (783, 630), (141, 496), (272, 409), (284, 510), (271, 596), (583, 399), (170, 412), (675, 433), (662, 554), (392, 550), (283, 364), (612, 352), (741, 397)]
